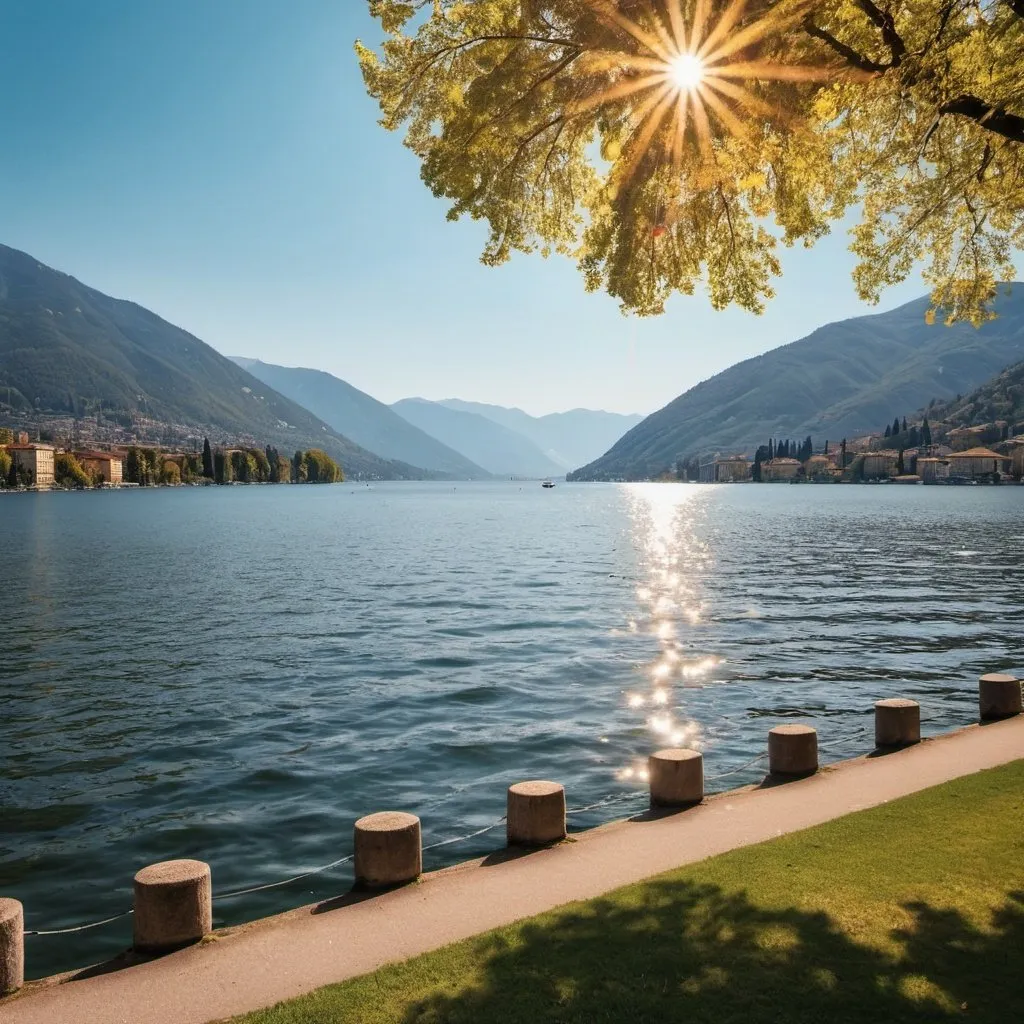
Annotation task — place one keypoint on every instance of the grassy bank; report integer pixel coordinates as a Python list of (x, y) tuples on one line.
[(909, 912)]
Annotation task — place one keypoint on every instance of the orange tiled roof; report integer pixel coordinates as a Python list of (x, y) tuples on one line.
[(977, 453)]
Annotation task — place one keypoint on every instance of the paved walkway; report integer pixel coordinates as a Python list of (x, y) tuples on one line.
[(294, 953)]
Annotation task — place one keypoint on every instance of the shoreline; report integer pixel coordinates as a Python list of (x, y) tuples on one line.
[(244, 968)]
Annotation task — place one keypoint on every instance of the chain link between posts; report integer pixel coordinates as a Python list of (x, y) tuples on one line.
[(609, 800)]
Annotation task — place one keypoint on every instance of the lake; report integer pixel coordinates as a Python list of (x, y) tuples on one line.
[(237, 674)]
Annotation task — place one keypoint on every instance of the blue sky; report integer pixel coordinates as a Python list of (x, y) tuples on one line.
[(219, 162)]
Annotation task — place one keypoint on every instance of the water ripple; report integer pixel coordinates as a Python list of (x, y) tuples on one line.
[(237, 674)]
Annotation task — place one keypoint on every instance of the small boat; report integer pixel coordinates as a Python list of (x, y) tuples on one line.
[(547, 483)]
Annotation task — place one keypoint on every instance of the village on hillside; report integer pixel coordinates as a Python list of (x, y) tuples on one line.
[(988, 454)]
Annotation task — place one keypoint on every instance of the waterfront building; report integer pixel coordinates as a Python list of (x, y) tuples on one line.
[(780, 470), (35, 461), (978, 462), (103, 465), (819, 468), (880, 465), (1016, 446), (731, 470), (933, 470)]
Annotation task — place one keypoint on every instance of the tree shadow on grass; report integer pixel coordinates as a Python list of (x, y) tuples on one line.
[(674, 951)]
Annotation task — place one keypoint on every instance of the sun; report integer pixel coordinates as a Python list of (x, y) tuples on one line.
[(687, 70)]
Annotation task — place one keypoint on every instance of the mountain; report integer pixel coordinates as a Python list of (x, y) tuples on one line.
[(499, 450), (358, 416), (67, 350), (568, 438), (845, 379)]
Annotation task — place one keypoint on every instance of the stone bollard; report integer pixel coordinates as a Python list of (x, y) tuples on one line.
[(388, 849), (998, 696), (676, 777), (897, 722), (12, 946), (793, 750), (535, 813), (173, 905)]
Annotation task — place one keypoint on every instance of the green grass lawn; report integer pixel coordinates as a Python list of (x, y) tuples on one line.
[(909, 912)]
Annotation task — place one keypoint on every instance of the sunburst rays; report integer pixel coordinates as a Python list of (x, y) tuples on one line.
[(684, 75)]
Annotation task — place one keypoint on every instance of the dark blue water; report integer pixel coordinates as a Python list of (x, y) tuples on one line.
[(237, 674)]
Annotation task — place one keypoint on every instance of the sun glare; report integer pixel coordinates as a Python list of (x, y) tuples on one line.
[(690, 81), (687, 70)]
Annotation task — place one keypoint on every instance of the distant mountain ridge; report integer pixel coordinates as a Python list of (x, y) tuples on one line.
[(67, 349), (498, 449), (357, 415), (569, 439), (842, 380)]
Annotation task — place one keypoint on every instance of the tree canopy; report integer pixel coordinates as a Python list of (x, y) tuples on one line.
[(667, 144)]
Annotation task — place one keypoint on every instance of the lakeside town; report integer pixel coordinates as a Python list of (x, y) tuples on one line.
[(38, 465), (42, 466), (989, 453), (928, 464)]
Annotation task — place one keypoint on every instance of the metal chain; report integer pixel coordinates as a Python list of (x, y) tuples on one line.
[(80, 927), (607, 801)]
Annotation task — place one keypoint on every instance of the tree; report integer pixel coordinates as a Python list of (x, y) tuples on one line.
[(914, 437), (221, 467), (68, 471), (170, 473), (585, 127), (321, 468), (261, 464), (207, 459), (888, 430), (904, 426), (900, 468), (243, 467), (133, 470), (842, 454), (5, 467), (298, 468), (6, 435), (896, 426), (760, 456), (926, 432)]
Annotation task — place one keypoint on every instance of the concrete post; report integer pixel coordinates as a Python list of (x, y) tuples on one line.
[(173, 905), (676, 778), (535, 813), (388, 849), (12, 946), (999, 696), (793, 750), (897, 722)]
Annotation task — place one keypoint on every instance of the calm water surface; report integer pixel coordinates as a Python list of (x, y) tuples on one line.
[(237, 674)]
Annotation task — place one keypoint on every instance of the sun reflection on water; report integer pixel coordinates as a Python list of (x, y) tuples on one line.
[(665, 520)]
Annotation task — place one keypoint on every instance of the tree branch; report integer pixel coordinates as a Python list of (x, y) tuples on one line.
[(995, 119), (1017, 6), (850, 55), (885, 21)]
